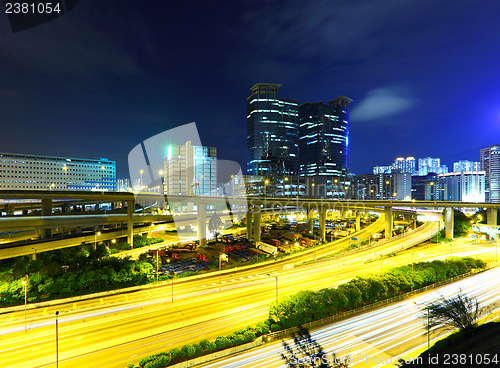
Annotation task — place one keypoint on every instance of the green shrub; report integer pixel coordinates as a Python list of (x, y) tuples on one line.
[(188, 351), (146, 360), (211, 347), (261, 328), (249, 336), (204, 344), (198, 349), (275, 327), (130, 365), (222, 343), (175, 354), (238, 340)]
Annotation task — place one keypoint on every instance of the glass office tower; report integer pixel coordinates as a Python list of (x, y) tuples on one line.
[(272, 132), (324, 137), (490, 164)]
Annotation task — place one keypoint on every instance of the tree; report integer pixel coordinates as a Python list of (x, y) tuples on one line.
[(459, 312), (307, 353), (215, 223)]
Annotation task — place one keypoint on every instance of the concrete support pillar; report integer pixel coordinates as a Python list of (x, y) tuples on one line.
[(202, 223), (322, 223), (130, 223), (249, 224), (448, 222), (33, 255), (358, 221), (492, 214), (96, 207), (388, 222), (113, 205), (46, 211), (310, 221), (256, 223)]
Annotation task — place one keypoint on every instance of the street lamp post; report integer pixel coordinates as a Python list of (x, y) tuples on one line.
[(25, 284), (157, 253), (65, 168), (57, 339), (140, 182), (276, 277), (265, 187), (160, 174), (411, 286), (221, 256), (428, 326), (102, 177), (95, 238)]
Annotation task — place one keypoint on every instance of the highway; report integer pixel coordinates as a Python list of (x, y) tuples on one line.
[(379, 337), (153, 323)]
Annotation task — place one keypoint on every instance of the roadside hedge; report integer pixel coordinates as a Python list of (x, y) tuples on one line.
[(306, 306), (188, 351)]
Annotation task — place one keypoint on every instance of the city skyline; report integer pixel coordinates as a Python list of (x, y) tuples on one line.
[(89, 85)]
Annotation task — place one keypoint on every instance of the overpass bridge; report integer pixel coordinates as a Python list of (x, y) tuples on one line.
[(253, 206)]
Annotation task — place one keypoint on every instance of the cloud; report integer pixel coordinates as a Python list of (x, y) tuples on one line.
[(10, 92), (382, 103)]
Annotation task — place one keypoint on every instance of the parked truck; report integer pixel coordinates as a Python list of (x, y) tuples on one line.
[(293, 237), (268, 248)]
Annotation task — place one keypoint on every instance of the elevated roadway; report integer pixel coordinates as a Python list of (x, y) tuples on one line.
[(121, 328)]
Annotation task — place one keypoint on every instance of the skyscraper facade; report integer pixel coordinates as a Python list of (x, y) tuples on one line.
[(190, 169), (490, 164), (324, 138), (32, 172), (465, 165), (464, 186), (272, 132), (428, 165)]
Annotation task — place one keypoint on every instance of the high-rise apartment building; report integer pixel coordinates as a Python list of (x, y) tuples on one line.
[(32, 172), (190, 169), (400, 165), (428, 165), (272, 132), (395, 186), (465, 165), (490, 164), (123, 185), (324, 138)]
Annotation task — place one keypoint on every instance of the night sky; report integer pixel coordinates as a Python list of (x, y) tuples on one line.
[(424, 75)]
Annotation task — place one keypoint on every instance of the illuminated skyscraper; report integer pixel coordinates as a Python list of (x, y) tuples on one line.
[(324, 137), (428, 165), (272, 132), (464, 165), (490, 164), (32, 172), (190, 169)]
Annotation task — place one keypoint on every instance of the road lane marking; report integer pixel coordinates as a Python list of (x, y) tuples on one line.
[(149, 293), (35, 349), (80, 338)]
